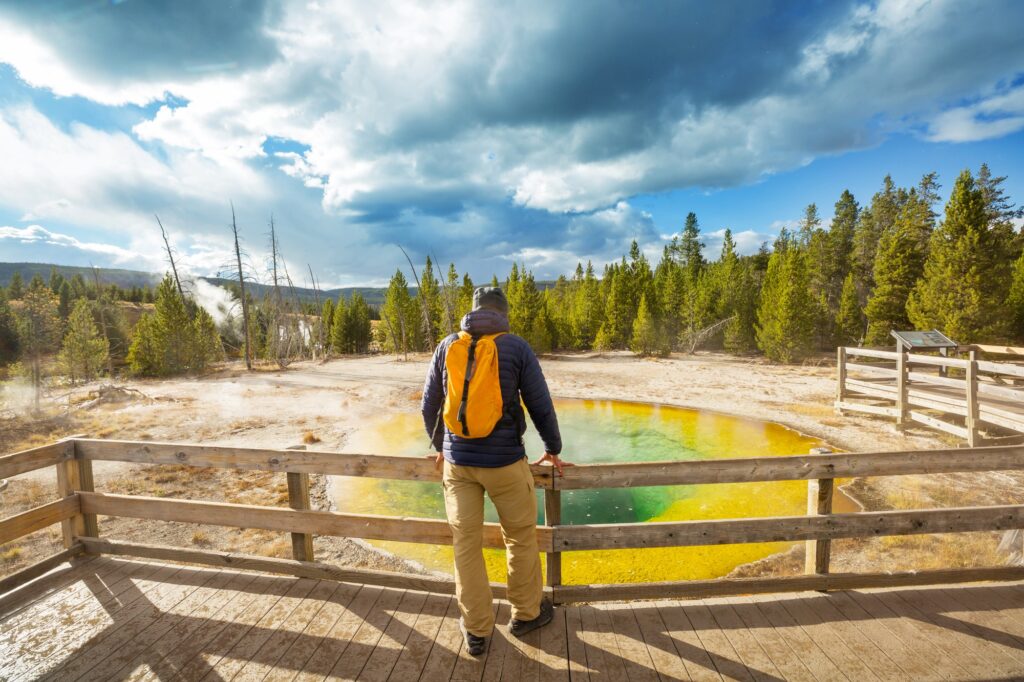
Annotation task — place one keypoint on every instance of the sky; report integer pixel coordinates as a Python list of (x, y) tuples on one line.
[(482, 133)]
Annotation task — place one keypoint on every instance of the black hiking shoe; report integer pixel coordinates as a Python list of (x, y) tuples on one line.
[(520, 627), (475, 645)]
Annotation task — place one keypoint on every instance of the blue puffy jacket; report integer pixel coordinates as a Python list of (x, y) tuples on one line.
[(520, 377)]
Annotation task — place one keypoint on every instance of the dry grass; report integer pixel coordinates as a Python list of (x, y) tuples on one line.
[(200, 538), (10, 554), (309, 438)]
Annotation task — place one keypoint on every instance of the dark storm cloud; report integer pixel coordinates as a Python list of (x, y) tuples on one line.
[(140, 40)]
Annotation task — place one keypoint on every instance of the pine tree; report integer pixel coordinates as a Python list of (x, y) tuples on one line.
[(844, 224), (809, 225), (690, 248), (170, 341), (206, 345), (785, 314), (144, 356), (967, 275), (873, 222), (64, 299), (588, 310), (398, 317), (8, 332), (341, 337), (38, 330), (359, 324), (326, 320), (16, 289), (84, 352), (648, 337), (739, 336), (618, 318), (56, 280), (465, 297), (850, 319), (1015, 301), (899, 262)]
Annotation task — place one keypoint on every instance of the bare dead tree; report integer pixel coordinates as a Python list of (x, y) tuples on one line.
[(428, 333), (241, 289), (170, 255), (316, 298), (695, 338)]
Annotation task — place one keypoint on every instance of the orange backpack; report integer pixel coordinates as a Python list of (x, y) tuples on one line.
[(472, 401)]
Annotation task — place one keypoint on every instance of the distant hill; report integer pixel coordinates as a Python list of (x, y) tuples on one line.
[(137, 278), (122, 278)]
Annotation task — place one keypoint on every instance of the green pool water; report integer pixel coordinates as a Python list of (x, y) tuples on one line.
[(608, 431)]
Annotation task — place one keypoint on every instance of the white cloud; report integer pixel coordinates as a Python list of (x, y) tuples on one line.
[(994, 116), (38, 235)]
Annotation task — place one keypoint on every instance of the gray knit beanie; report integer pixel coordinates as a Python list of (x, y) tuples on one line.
[(490, 298)]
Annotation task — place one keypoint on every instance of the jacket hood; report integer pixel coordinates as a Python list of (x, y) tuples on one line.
[(484, 321)]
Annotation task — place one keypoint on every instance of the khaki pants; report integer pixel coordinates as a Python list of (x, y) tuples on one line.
[(511, 490)]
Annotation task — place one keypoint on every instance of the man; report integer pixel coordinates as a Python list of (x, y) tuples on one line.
[(492, 461)]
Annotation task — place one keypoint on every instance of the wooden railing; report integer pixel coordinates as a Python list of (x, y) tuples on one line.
[(79, 505), (984, 393)]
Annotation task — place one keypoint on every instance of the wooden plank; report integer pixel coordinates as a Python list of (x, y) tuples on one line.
[(68, 484), (264, 459), (939, 424), (553, 517), (921, 399), (1001, 368), (870, 409), (601, 648), (985, 612), (387, 651), (724, 656), (36, 458), (300, 569), (334, 645), (870, 353), (692, 589), (294, 660), (421, 638), (371, 527), (998, 350), (840, 374), (987, 416), (971, 414), (553, 656), (635, 657), (445, 652), (804, 612), (266, 661), (876, 391), (367, 636), (158, 660), (777, 648), (19, 578), (788, 528), (817, 553), (576, 650), (804, 648), (935, 380), (910, 631), (249, 646), (871, 369), (903, 657), (660, 647), (902, 388), (795, 468), (195, 662), (1002, 392), (85, 480), (141, 638), (935, 361), (750, 651), (37, 518), (497, 648), (696, 660), (298, 498)]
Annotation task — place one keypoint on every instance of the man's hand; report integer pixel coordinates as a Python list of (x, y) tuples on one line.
[(555, 461), (438, 460)]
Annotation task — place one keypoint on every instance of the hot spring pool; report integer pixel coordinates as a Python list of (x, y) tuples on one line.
[(607, 431)]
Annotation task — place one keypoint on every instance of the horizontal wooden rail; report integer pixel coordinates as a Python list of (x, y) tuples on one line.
[(793, 468), (1000, 368), (872, 353), (871, 369), (19, 525), (300, 569), (936, 361), (366, 526), (937, 380), (39, 568), (787, 528), (720, 587), (36, 458), (262, 459)]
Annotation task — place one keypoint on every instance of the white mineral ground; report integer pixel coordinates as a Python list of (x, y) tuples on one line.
[(271, 408)]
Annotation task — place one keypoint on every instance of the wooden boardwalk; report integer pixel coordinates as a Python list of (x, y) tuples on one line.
[(108, 618)]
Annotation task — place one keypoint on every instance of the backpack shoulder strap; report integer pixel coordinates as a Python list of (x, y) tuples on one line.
[(465, 384)]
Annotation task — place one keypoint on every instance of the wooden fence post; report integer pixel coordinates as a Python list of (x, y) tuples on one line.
[(973, 435), (298, 498), (840, 377), (553, 517), (73, 475), (819, 502), (902, 388)]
